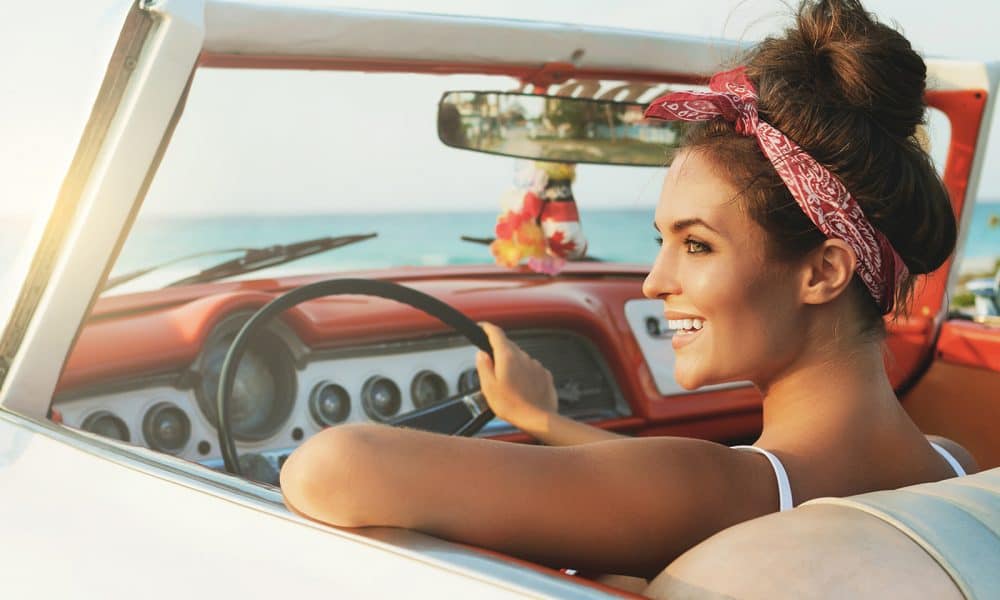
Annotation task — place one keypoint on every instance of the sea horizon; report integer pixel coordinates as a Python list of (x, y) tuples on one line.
[(424, 238)]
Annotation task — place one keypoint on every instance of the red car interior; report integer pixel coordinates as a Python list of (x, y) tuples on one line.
[(944, 377)]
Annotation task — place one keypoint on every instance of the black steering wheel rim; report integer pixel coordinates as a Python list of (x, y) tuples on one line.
[(335, 287)]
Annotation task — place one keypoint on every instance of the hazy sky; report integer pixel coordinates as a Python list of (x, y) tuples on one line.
[(280, 147)]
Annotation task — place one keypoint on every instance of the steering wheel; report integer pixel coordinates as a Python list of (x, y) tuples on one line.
[(464, 414)]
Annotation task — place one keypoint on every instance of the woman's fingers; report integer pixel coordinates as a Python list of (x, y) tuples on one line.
[(504, 350), (498, 339), (484, 367)]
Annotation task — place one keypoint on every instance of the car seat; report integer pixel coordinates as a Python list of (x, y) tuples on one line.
[(933, 540)]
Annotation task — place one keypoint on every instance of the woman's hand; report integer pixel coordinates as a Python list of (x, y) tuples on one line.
[(517, 387)]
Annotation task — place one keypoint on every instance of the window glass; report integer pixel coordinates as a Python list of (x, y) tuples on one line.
[(265, 157), (979, 262), (979, 254)]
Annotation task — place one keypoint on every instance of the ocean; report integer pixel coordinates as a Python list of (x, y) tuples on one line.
[(429, 239)]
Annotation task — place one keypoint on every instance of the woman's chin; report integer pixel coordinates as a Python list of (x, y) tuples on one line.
[(690, 377), (687, 380)]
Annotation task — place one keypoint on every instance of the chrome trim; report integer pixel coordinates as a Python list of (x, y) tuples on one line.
[(476, 403)]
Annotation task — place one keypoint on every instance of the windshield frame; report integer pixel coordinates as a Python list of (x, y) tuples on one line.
[(110, 172)]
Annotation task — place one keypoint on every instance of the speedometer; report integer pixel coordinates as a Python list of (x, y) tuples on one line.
[(263, 391)]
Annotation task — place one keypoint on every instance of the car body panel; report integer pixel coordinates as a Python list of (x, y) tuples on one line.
[(959, 395), (109, 506), (114, 518)]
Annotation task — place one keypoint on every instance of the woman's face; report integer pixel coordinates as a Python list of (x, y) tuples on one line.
[(712, 268)]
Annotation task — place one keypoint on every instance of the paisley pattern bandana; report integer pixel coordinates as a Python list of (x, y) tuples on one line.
[(817, 191)]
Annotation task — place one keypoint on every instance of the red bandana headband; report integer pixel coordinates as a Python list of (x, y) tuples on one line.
[(818, 192)]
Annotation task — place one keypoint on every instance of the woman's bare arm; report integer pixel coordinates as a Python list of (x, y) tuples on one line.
[(556, 430), (620, 506)]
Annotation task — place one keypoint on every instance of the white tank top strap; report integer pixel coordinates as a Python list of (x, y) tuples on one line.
[(784, 487), (955, 465)]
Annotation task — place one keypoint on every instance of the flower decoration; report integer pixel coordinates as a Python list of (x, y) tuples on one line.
[(539, 224)]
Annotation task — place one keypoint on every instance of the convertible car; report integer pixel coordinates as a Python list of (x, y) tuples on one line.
[(157, 369)]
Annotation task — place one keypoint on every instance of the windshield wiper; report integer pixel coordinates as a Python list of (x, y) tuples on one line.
[(262, 258), (118, 280), (253, 259)]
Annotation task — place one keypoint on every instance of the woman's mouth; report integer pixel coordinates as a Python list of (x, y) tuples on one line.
[(685, 331)]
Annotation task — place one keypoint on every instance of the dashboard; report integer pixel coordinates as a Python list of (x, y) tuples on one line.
[(145, 369), (285, 392)]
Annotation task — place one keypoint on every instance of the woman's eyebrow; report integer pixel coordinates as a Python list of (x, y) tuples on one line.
[(683, 224)]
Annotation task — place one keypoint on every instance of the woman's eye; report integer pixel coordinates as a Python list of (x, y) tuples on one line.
[(696, 247), (658, 240)]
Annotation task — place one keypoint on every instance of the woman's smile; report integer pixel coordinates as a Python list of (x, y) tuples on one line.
[(683, 337), (685, 328)]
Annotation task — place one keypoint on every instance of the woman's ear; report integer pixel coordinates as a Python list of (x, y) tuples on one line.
[(828, 271)]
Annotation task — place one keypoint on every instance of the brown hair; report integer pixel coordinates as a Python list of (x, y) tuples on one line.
[(850, 92)]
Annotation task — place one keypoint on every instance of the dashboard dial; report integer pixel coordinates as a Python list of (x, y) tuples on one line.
[(468, 381), (166, 428), (263, 392), (107, 424), (428, 388), (380, 398), (329, 403)]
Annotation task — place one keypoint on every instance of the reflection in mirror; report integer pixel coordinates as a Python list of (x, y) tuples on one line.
[(557, 129)]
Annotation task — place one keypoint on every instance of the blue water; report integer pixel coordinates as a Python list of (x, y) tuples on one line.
[(983, 239), (403, 239)]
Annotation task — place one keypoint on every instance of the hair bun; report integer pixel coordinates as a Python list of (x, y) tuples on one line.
[(839, 57)]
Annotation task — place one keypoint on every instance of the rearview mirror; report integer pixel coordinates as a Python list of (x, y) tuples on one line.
[(554, 128)]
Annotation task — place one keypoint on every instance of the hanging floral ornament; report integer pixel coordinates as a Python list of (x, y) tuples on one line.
[(538, 222)]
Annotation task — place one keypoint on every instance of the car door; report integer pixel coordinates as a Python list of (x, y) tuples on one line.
[(948, 358)]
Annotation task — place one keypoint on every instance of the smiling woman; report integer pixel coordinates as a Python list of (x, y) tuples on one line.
[(712, 268), (778, 260), (279, 130)]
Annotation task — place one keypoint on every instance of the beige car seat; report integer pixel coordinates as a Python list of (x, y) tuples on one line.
[(934, 540)]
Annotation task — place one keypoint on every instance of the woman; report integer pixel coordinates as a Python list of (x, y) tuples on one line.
[(762, 292)]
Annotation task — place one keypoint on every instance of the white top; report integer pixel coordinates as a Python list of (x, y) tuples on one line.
[(955, 465), (785, 487)]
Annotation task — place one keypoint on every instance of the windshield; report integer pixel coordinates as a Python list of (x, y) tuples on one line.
[(275, 157)]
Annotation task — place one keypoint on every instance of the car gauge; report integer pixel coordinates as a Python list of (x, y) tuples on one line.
[(380, 398), (166, 428), (428, 388), (107, 424), (329, 403)]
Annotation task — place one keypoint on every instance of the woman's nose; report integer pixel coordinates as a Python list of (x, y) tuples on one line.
[(661, 280)]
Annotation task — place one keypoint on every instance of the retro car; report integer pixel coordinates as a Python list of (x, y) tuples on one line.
[(146, 407)]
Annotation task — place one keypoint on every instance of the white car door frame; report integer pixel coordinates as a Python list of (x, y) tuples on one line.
[(131, 122)]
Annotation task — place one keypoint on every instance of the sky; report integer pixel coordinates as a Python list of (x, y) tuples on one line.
[(246, 147)]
